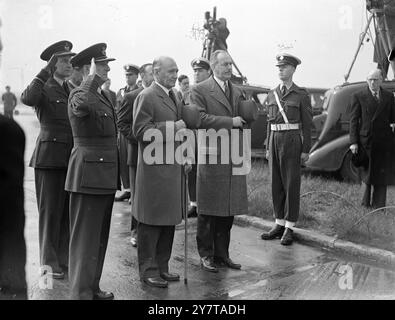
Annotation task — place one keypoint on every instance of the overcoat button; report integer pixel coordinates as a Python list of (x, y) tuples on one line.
[(101, 159), (54, 139)]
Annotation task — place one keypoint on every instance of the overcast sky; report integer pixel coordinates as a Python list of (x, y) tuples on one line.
[(323, 33)]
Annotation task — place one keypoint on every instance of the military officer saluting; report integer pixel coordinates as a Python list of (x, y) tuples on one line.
[(289, 140), (48, 94), (92, 177)]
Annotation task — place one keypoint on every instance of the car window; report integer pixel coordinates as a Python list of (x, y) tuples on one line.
[(262, 98)]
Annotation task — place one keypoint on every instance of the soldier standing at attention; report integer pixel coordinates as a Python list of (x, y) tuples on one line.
[(132, 73), (9, 101), (201, 71), (93, 175), (48, 94), (289, 134)]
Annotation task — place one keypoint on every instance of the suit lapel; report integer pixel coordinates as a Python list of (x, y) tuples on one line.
[(166, 99), (219, 95)]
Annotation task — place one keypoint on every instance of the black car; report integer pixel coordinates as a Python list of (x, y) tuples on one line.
[(330, 151)]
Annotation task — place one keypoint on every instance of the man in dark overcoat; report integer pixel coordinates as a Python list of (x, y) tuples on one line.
[(12, 215), (372, 112)]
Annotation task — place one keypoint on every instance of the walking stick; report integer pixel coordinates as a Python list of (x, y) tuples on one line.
[(184, 209)]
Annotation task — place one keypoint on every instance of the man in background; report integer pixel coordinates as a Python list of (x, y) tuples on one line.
[(372, 114), (75, 79), (183, 94), (201, 72), (9, 102), (111, 94), (131, 74), (124, 122)]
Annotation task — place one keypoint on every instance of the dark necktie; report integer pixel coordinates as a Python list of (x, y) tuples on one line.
[(283, 90), (172, 97), (376, 96), (227, 91), (66, 87)]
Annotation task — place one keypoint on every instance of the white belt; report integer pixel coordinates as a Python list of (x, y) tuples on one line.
[(284, 126)]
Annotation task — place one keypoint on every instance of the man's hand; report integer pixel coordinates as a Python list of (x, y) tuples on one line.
[(304, 157), (180, 124), (354, 148), (267, 154), (392, 125), (238, 122), (50, 67)]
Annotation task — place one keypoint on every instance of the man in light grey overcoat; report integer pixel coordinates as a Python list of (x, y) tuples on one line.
[(221, 194)]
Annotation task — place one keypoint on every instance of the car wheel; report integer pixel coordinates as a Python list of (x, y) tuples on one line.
[(348, 171)]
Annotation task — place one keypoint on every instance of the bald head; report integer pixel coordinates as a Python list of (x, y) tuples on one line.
[(375, 79), (165, 71)]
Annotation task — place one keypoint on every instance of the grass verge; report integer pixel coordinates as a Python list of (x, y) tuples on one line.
[(328, 206)]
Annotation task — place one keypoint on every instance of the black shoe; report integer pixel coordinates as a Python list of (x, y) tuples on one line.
[(157, 282), (208, 264), (103, 295), (227, 262), (170, 276), (287, 238), (192, 212), (124, 196), (276, 232)]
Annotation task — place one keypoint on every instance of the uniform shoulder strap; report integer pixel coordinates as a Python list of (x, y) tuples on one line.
[(280, 107)]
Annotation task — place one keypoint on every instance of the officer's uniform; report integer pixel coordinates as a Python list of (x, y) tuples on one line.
[(198, 63), (50, 159), (286, 143), (92, 178), (122, 140)]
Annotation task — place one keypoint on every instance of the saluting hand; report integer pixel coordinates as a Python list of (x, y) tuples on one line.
[(50, 67), (92, 70)]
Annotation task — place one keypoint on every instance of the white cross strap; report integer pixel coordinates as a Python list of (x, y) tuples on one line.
[(280, 107)]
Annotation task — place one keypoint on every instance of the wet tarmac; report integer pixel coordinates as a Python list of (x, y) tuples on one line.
[(269, 270)]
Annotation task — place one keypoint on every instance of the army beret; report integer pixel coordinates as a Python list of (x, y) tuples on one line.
[(60, 48), (200, 63), (97, 51), (131, 69), (286, 58), (391, 56)]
